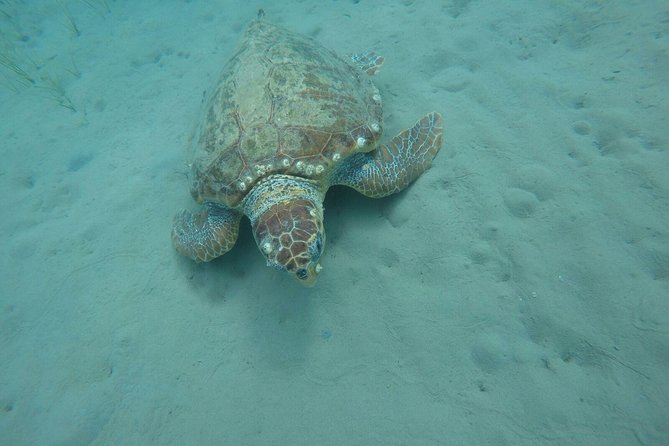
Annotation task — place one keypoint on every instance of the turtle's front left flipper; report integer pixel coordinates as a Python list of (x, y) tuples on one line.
[(207, 234), (393, 166)]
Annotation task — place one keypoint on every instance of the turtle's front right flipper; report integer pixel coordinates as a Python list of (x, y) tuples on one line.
[(207, 234), (393, 166)]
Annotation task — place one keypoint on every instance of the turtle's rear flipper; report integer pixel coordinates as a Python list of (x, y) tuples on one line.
[(369, 62), (206, 235), (392, 166)]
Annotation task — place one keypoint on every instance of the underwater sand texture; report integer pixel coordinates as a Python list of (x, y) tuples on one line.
[(515, 294)]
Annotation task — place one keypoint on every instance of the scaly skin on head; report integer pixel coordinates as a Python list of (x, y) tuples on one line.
[(286, 214)]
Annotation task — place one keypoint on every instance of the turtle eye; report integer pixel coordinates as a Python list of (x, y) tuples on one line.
[(319, 243), (316, 249), (301, 273)]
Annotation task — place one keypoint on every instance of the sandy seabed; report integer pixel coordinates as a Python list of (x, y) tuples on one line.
[(516, 294)]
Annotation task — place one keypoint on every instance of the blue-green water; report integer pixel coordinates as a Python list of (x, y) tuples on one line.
[(516, 294)]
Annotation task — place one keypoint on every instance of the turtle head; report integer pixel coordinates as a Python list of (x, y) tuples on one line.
[(286, 214)]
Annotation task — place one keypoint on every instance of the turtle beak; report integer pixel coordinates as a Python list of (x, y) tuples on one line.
[(308, 276)]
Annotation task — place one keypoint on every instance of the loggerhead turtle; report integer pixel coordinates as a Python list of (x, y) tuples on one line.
[(287, 119)]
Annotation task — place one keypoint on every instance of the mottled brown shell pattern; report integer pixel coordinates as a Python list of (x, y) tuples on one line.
[(284, 104)]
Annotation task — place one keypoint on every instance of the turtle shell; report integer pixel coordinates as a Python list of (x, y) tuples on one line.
[(283, 105)]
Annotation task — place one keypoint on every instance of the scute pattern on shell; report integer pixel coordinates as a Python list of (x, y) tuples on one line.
[(284, 104)]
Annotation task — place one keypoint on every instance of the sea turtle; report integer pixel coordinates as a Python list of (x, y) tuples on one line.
[(287, 119)]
